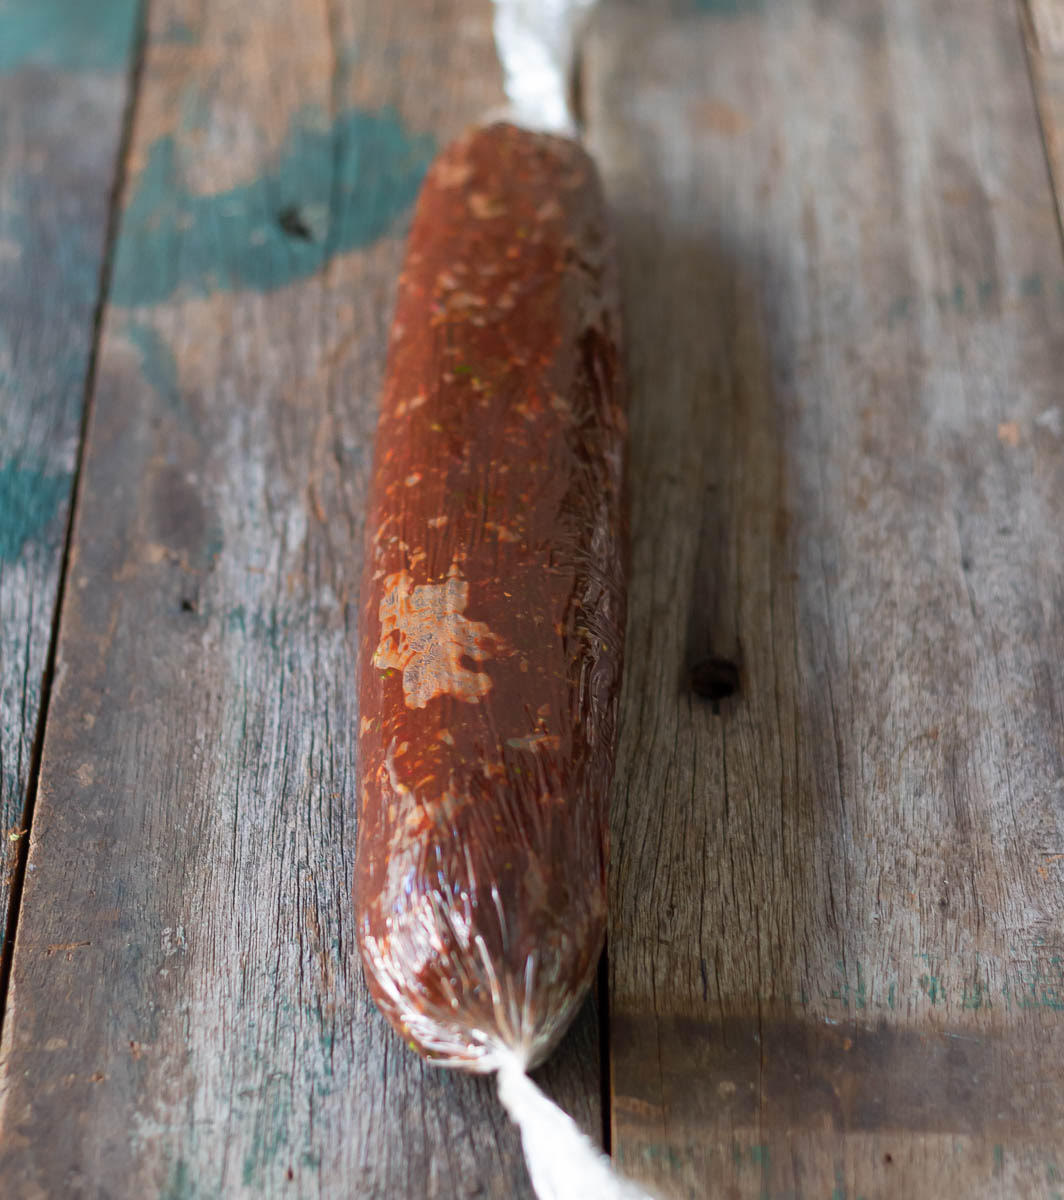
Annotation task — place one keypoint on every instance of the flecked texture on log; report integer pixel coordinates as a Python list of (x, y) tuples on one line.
[(493, 605)]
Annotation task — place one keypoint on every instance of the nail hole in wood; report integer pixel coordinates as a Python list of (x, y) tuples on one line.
[(291, 221), (714, 678), (888, 1159), (188, 605)]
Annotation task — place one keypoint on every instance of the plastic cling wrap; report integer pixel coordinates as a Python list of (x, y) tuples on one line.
[(493, 607)]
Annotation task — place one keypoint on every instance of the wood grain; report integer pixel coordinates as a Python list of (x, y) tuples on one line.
[(835, 949), (187, 1014), (61, 107), (1044, 29)]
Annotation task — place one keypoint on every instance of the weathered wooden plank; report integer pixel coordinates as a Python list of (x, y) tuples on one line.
[(836, 950), (1044, 30), (187, 1014), (62, 97), (1047, 19)]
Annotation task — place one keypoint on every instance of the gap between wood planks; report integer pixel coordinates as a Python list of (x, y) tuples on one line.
[(114, 213)]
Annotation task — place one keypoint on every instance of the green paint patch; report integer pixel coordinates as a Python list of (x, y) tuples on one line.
[(334, 188), (215, 543), (157, 362), (177, 33), (975, 996), (30, 499), (271, 628), (67, 35), (850, 994), (900, 310), (7, 375), (728, 8), (1031, 285), (666, 1155), (931, 987), (180, 1185), (1034, 979), (954, 299), (269, 1135), (195, 110)]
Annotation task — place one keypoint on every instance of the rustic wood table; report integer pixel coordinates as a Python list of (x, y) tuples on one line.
[(836, 952)]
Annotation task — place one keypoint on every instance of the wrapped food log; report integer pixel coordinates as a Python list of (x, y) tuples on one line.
[(493, 614)]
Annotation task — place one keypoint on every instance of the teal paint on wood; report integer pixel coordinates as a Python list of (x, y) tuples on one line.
[(988, 295), (30, 498), (334, 188), (180, 1185), (932, 988), (731, 8), (67, 35), (177, 33), (1031, 978), (1031, 285), (157, 362), (32, 255)]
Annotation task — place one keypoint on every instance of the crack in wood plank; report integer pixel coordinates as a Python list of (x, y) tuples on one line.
[(64, 93)]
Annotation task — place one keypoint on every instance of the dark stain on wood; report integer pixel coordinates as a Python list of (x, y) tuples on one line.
[(180, 521), (714, 678), (791, 1074)]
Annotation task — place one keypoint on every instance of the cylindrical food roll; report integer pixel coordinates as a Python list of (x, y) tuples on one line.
[(493, 606)]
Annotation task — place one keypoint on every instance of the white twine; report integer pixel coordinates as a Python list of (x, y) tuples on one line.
[(563, 1163), (536, 41)]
